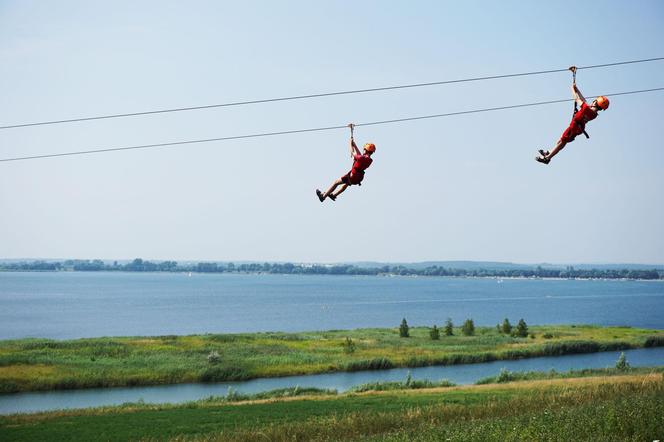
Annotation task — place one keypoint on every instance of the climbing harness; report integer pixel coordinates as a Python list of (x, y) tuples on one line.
[(576, 106)]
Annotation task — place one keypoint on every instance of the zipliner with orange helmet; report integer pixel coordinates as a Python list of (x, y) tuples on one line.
[(361, 161), (578, 125)]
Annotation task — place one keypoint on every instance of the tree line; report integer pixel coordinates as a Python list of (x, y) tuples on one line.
[(140, 265), (468, 329)]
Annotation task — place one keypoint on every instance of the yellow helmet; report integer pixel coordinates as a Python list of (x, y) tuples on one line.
[(370, 147)]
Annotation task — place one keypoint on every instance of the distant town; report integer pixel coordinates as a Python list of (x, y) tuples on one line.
[(458, 269)]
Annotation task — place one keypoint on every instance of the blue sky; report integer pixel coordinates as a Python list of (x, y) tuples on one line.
[(463, 187)]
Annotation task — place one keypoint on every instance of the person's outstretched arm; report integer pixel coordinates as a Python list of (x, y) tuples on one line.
[(576, 93), (353, 149)]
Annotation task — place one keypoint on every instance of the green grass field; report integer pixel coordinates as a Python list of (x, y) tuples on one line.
[(42, 364), (624, 407)]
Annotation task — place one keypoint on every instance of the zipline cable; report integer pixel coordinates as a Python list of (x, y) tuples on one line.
[(316, 129), (324, 94)]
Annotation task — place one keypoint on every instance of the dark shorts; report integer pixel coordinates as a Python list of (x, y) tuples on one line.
[(349, 179), (571, 132)]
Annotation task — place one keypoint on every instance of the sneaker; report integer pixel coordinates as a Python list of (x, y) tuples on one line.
[(543, 160), (332, 197), (320, 195), (544, 153)]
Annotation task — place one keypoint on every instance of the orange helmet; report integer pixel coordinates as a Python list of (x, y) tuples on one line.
[(370, 147), (603, 102)]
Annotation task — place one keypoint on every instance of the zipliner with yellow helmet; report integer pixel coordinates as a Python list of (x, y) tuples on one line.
[(361, 161), (578, 125)]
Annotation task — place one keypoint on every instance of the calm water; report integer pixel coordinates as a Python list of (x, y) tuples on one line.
[(459, 374), (73, 305)]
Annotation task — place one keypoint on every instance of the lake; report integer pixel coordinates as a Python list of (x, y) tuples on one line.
[(65, 305)]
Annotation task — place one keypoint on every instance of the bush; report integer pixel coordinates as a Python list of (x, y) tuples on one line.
[(468, 328), (506, 327), (547, 336), (403, 329), (349, 346), (213, 357), (434, 333), (449, 327), (505, 376), (522, 329), (232, 395)]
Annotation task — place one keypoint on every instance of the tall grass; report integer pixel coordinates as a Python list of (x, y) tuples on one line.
[(369, 364), (654, 341), (509, 376), (234, 396), (625, 411), (618, 419), (407, 385), (221, 374)]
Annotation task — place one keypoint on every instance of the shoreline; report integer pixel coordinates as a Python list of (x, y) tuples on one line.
[(377, 275)]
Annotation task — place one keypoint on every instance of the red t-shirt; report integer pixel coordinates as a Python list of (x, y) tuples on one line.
[(360, 164), (584, 115)]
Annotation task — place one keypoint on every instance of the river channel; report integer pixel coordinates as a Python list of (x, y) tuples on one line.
[(459, 374)]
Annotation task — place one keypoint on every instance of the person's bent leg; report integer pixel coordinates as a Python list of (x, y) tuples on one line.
[(340, 191), (567, 137), (332, 187)]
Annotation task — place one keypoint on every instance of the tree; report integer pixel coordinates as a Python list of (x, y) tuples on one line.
[(449, 327), (403, 329), (468, 328), (506, 327), (136, 265), (434, 333), (621, 363), (522, 329)]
